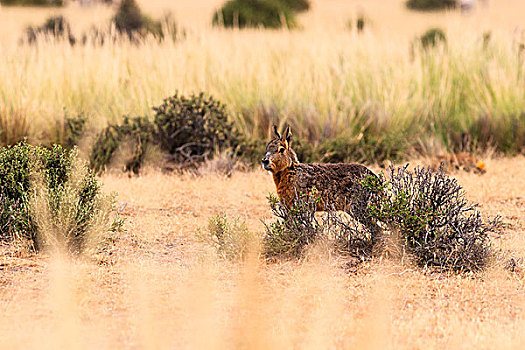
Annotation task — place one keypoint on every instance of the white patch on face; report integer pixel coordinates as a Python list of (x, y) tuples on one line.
[(270, 173)]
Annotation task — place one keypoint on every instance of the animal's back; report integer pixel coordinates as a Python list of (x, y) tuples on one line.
[(338, 182)]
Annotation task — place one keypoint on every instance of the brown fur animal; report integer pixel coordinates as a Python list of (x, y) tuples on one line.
[(339, 185)]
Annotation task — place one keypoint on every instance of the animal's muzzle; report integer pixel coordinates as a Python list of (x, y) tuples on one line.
[(266, 164)]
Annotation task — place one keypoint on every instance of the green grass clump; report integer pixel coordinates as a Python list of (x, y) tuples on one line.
[(255, 13), (48, 195), (231, 239)]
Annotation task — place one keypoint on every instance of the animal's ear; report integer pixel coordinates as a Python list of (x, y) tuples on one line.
[(287, 136), (275, 133)]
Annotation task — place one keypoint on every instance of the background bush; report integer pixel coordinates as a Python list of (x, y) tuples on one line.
[(431, 4), (131, 21), (432, 38), (136, 133), (255, 13), (188, 130), (28, 172), (297, 5), (55, 26)]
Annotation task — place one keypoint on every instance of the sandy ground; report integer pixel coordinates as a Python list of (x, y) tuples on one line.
[(160, 288)]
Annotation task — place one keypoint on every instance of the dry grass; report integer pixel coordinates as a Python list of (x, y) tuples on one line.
[(320, 78), (159, 287)]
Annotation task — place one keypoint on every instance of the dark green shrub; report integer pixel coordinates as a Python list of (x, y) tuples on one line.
[(136, 133), (432, 38), (29, 172), (230, 239), (429, 5), (56, 3), (56, 26), (254, 13), (435, 222), (297, 5), (190, 129), (130, 20)]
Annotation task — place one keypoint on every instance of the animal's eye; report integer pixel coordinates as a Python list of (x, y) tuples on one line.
[(281, 149)]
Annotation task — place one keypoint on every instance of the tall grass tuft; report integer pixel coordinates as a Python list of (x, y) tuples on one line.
[(14, 127)]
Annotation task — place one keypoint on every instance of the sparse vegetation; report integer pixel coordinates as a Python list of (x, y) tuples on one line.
[(49, 196), (294, 229), (14, 127), (230, 238), (69, 130), (297, 5)]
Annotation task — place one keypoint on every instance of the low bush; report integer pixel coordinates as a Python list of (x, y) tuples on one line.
[(430, 5), (188, 130), (136, 133), (294, 228), (55, 26), (297, 227), (131, 21), (424, 212), (433, 38), (48, 195), (230, 239), (191, 128), (435, 222), (255, 13)]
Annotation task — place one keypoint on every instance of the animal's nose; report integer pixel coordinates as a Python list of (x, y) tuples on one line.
[(265, 161)]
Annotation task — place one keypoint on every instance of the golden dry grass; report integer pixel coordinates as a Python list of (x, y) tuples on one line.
[(160, 288)]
